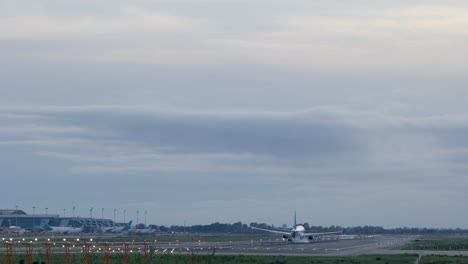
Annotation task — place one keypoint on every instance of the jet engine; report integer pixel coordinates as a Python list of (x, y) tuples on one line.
[(285, 236), (311, 238)]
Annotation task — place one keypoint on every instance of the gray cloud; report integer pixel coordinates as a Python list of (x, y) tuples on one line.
[(318, 153), (360, 106)]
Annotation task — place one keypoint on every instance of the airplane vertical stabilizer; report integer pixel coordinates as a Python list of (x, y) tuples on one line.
[(295, 219)]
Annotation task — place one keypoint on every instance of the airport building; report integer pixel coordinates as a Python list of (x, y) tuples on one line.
[(19, 218)]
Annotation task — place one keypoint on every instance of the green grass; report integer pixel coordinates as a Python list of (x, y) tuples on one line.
[(438, 243), (160, 238), (190, 238), (445, 260), (207, 259)]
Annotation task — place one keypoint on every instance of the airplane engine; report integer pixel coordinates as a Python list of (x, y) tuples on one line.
[(311, 238), (285, 236)]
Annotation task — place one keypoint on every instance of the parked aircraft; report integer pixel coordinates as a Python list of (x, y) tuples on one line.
[(60, 229), (119, 229), (146, 231)]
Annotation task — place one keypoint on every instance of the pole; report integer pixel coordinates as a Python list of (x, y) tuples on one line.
[(16, 213), (145, 218), (114, 214), (64, 212), (125, 210), (46, 210), (138, 212), (91, 212), (73, 211), (102, 213), (34, 216)]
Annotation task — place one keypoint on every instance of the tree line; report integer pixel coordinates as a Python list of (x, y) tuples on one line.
[(241, 228)]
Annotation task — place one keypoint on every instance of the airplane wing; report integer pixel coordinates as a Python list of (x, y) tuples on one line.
[(322, 234), (272, 231)]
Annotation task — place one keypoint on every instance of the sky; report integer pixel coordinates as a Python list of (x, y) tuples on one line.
[(348, 112)]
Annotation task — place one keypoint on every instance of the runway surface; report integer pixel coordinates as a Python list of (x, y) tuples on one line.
[(336, 246), (340, 247)]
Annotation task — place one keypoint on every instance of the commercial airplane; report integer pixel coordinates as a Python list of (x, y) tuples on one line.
[(298, 233), (119, 229), (147, 231), (60, 229)]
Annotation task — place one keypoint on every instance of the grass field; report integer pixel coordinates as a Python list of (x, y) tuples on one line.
[(160, 238), (444, 260), (195, 259), (438, 243), (192, 238)]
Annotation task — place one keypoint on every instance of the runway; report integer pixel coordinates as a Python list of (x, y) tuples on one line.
[(341, 247), (338, 246)]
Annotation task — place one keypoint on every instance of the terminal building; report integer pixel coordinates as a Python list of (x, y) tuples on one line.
[(19, 218)]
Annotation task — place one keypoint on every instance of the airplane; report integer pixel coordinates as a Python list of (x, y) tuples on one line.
[(147, 231), (119, 229), (298, 233), (60, 229)]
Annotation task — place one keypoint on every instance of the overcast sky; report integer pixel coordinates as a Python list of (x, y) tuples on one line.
[(349, 112)]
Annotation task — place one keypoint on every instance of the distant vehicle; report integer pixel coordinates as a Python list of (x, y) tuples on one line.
[(298, 233), (60, 229), (119, 229), (147, 231)]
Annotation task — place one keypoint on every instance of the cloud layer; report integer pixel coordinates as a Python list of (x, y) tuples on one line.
[(422, 39), (319, 153), (350, 113)]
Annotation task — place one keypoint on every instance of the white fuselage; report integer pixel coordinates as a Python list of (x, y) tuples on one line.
[(145, 231), (298, 235), (64, 229)]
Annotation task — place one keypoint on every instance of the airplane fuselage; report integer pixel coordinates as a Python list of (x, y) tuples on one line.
[(298, 235), (64, 230)]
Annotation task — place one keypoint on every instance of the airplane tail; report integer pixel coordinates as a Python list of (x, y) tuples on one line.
[(128, 225), (45, 224), (295, 219)]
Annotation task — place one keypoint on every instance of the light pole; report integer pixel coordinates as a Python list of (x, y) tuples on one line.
[(114, 214), (34, 216), (91, 212), (73, 209), (102, 213), (16, 213), (138, 212), (145, 218), (47, 208), (125, 210), (64, 212)]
